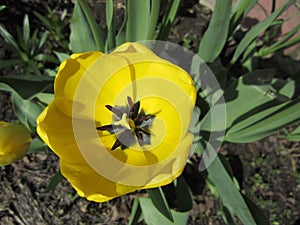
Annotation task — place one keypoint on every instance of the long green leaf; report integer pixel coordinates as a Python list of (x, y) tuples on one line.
[(136, 213), (294, 135), (239, 12), (154, 16), (86, 34), (255, 31), (29, 85), (215, 37), (26, 31), (159, 201), (286, 115), (224, 185), (168, 19), (153, 216), (111, 28), (26, 110), (138, 19), (183, 195), (56, 179)]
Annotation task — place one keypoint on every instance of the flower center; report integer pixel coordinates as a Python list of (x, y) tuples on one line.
[(130, 124)]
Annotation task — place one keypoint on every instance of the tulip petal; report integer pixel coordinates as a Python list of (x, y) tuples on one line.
[(14, 143), (55, 129)]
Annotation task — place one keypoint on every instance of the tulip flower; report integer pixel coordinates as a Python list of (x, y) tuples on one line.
[(119, 121), (14, 142)]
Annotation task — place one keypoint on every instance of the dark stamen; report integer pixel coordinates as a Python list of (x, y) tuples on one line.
[(106, 127), (116, 144), (114, 110), (130, 103), (135, 110)]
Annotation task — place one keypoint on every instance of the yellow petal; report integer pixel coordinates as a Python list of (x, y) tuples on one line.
[(90, 184), (14, 142), (55, 129), (69, 74)]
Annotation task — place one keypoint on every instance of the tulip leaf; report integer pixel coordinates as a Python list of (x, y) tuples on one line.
[(37, 145), (215, 37), (61, 56), (294, 135), (280, 118), (159, 201), (28, 85), (45, 98), (230, 196), (168, 19), (153, 216), (86, 34), (55, 180), (239, 12), (26, 110), (136, 213), (249, 99), (111, 28), (255, 31), (138, 19), (183, 195)]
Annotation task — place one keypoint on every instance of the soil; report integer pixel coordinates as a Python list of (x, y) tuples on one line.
[(268, 170)]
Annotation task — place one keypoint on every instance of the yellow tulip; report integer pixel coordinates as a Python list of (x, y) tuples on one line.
[(14, 142), (119, 122)]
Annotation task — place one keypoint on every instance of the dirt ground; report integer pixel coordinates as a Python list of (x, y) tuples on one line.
[(268, 170)]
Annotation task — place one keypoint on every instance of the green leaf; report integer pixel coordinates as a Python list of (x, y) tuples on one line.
[(28, 85), (111, 28), (183, 195), (26, 110), (86, 35), (154, 16), (215, 37), (10, 62), (46, 58), (136, 213), (280, 118), (255, 31), (138, 19), (168, 19), (26, 31), (2, 7), (37, 145), (256, 212), (153, 216), (239, 12), (45, 98), (159, 201), (56, 179), (249, 95), (61, 56), (294, 135), (282, 43), (230, 196), (9, 41)]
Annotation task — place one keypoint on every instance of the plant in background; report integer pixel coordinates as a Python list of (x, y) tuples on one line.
[(257, 103), (27, 48), (55, 25)]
